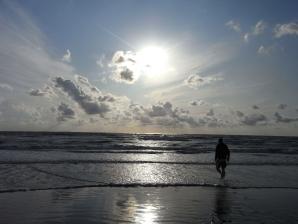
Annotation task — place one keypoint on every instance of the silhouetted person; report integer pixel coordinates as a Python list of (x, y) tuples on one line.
[(222, 155)]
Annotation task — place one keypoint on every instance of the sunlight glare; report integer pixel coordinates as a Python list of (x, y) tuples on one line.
[(153, 59)]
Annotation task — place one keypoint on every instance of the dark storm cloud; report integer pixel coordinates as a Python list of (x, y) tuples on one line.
[(76, 93), (281, 119), (65, 112)]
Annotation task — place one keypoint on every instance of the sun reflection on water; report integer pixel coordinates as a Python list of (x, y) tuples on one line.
[(137, 210), (148, 214)]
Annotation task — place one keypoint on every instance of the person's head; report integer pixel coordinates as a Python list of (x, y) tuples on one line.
[(220, 140)]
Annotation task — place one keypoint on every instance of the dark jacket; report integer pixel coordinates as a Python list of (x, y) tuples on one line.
[(222, 151)]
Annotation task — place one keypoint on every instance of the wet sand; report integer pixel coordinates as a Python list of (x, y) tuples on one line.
[(150, 205)]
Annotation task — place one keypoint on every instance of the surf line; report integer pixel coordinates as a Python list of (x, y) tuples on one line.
[(130, 185), (141, 162)]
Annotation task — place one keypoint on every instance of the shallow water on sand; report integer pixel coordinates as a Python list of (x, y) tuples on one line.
[(150, 205)]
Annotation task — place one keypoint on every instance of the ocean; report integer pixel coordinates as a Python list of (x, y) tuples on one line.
[(132, 166)]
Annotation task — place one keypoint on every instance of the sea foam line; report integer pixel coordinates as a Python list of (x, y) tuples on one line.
[(28, 162), (130, 185)]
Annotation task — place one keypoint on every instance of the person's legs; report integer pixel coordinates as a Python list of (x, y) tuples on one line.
[(223, 167), (223, 173), (218, 167)]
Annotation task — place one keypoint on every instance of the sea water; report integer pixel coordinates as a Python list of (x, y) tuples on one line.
[(30, 160)]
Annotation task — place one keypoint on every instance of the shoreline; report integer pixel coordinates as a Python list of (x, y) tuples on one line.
[(150, 205)]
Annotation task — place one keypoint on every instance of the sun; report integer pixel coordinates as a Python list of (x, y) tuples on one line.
[(153, 60)]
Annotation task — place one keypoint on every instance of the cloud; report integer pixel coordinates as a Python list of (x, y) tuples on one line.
[(65, 112), (280, 119), (85, 101), (46, 91), (101, 61), (210, 113), (124, 67), (281, 30), (165, 115), (6, 86), (126, 75), (268, 50), (254, 119), (193, 103), (19, 116), (36, 92), (25, 61), (258, 29), (67, 56), (195, 81), (239, 113), (234, 25), (196, 102), (263, 50), (255, 107), (282, 106)]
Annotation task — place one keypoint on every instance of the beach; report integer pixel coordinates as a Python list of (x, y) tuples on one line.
[(150, 205), (114, 178)]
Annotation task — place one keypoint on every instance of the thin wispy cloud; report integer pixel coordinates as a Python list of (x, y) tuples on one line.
[(67, 56), (196, 81), (234, 25), (257, 30)]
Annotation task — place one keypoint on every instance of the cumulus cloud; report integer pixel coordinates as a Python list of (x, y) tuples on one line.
[(46, 91), (234, 25), (282, 106), (126, 75), (281, 30), (85, 101), (164, 114), (6, 86), (67, 56), (254, 119), (196, 102), (65, 112), (124, 67), (239, 113), (210, 113), (193, 103), (195, 81), (36, 92), (281, 119)]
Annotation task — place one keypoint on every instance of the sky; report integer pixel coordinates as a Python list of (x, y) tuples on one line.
[(202, 67)]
